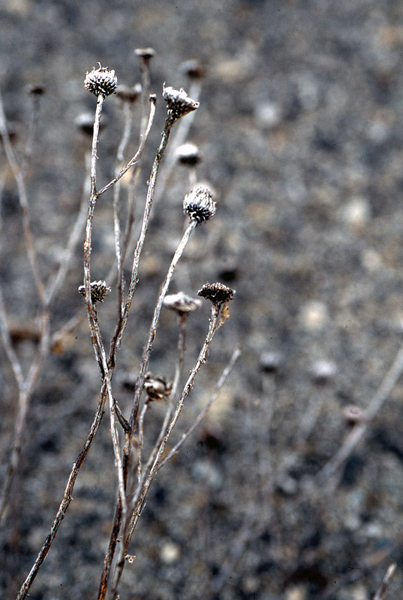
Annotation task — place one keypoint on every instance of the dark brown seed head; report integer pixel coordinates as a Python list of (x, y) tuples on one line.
[(217, 293), (157, 388), (99, 290)]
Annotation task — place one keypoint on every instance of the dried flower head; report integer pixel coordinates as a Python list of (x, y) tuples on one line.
[(198, 204), (181, 303), (188, 154), (101, 81), (128, 94), (353, 415), (145, 53), (217, 293), (271, 361), (85, 123), (323, 371), (37, 90), (157, 388), (193, 69), (99, 290), (178, 102)]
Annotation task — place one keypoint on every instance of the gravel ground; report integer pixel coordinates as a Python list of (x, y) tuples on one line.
[(300, 128)]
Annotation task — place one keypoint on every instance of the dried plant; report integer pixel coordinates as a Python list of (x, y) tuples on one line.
[(136, 468)]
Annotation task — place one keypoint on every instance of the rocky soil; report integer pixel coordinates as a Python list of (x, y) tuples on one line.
[(300, 128)]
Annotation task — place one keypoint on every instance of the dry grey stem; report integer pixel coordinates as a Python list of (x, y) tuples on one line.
[(199, 206)]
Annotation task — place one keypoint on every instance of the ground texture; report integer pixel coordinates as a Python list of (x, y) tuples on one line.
[(300, 128)]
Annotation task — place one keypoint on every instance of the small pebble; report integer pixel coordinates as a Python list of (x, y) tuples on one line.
[(323, 370), (169, 553), (268, 115), (313, 315), (357, 212)]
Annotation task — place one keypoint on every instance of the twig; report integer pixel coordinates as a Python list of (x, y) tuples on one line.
[(332, 471), (157, 311), (76, 232), (23, 199), (181, 134), (383, 588), (171, 417), (220, 383), (67, 498)]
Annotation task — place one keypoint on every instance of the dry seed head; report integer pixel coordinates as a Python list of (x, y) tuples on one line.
[(188, 154), (101, 81), (37, 90), (145, 53), (181, 303), (85, 123), (178, 102), (99, 290), (353, 415), (193, 69), (128, 94), (157, 388), (217, 293), (199, 205)]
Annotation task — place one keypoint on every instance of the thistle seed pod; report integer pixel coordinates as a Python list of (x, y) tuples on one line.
[(217, 293), (178, 102), (181, 303), (99, 290), (199, 205), (101, 81)]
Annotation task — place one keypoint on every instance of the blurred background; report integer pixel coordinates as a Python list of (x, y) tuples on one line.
[(300, 129)]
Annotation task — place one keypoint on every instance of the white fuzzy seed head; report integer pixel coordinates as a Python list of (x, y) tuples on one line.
[(199, 205)]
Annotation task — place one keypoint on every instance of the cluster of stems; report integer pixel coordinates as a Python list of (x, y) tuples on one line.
[(135, 470)]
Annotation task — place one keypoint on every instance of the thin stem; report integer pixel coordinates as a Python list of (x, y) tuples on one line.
[(383, 588), (135, 158), (23, 199), (151, 468), (220, 384), (25, 391), (33, 128), (116, 198), (10, 352), (180, 136), (144, 228), (157, 311), (75, 234), (67, 498), (91, 312), (332, 471)]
